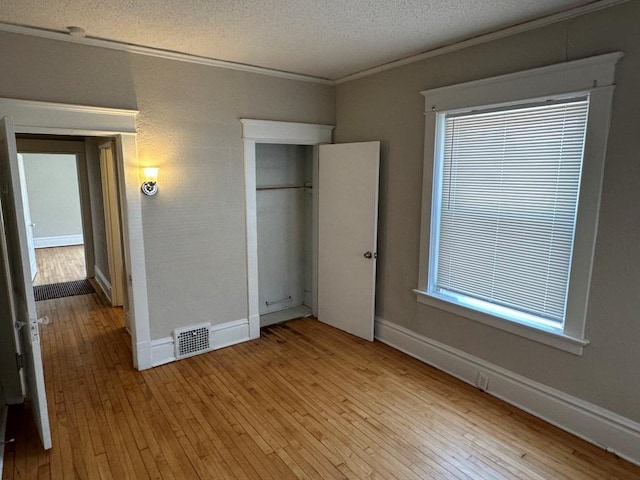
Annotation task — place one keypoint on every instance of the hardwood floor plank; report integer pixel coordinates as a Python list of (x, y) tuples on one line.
[(300, 467), (448, 422), (60, 264), (275, 419), (155, 471), (407, 463), (352, 412), (103, 467), (305, 401)]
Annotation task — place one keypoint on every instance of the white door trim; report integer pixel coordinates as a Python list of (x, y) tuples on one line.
[(76, 148), (28, 223), (264, 131), (61, 119)]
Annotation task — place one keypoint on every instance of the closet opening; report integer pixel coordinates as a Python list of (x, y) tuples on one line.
[(286, 205)]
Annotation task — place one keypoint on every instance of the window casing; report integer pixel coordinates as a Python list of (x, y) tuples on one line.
[(512, 180)]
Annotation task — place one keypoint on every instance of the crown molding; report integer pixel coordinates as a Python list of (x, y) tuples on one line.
[(185, 57), (488, 37), (157, 52)]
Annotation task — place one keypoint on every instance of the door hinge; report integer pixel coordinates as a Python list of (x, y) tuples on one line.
[(19, 361)]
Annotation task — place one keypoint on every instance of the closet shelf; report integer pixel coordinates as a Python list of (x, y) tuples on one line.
[(281, 187)]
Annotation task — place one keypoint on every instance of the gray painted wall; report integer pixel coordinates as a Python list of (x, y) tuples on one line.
[(97, 206), (388, 107), (194, 229), (54, 198)]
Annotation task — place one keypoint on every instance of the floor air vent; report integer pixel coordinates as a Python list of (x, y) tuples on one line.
[(190, 341), (60, 290)]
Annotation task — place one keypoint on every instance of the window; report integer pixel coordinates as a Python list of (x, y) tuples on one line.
[(505, 208), (512, 187)]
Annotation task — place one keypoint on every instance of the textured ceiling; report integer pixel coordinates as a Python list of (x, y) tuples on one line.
[(321, 38)]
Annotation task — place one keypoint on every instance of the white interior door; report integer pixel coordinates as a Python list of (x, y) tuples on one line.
[(112, 224), (27, 219), (347, 235), (13, 233)]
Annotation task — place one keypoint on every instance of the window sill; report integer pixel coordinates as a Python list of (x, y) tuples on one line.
[(557, 340)]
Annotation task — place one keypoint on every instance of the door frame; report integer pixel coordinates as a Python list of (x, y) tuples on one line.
[(267, 131), (63, 119), (76, 148), (110, 201), (28, 222)]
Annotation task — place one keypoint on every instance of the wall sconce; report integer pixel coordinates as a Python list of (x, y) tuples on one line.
[(149, 186)]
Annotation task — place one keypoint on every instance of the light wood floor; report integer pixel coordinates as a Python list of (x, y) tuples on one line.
[(60, 264), (303, 401)]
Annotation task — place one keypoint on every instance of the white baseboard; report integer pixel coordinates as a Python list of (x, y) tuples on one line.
[(222, 335), (143, 358), (284, 315), (254, 326), (597, 425), (103, 283), (162, 351), (230, 333), (61, 241)]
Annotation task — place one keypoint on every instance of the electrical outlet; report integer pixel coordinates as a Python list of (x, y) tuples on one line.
[(482, 382)]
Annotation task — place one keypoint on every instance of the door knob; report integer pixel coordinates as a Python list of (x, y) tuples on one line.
[(370, 255)]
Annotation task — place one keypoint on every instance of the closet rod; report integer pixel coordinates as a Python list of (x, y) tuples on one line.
[(284, 187)]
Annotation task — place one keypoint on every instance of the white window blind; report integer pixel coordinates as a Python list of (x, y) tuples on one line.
[(506, 206)]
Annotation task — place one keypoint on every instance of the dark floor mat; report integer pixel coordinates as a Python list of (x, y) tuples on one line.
[(59, 290)]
